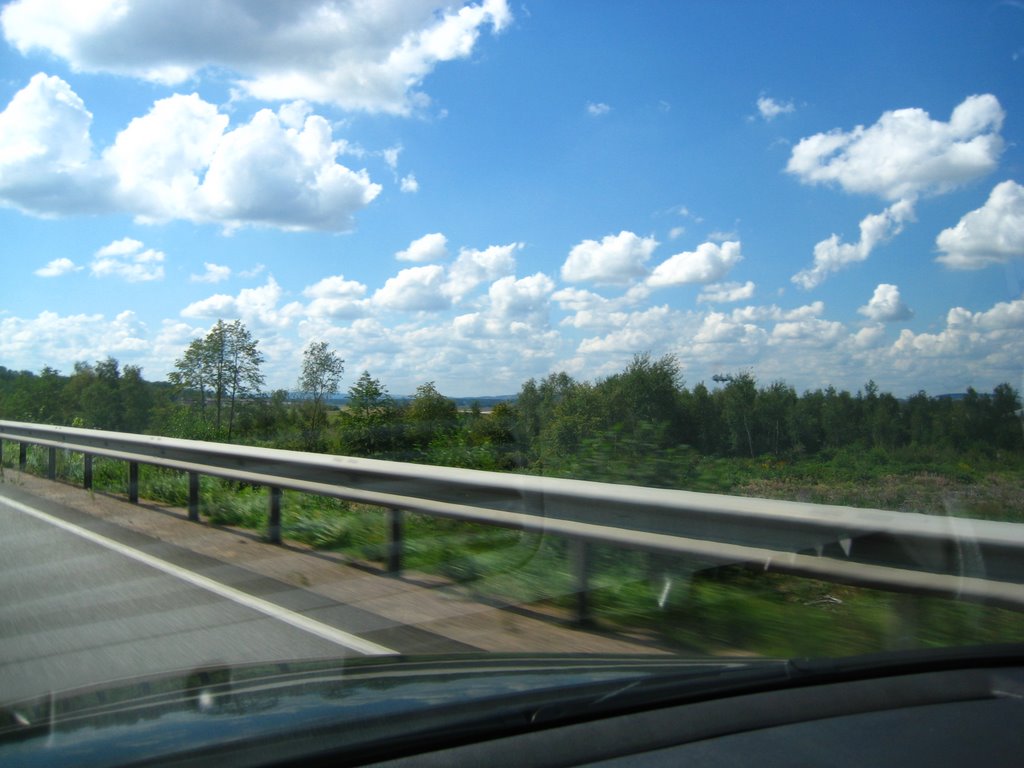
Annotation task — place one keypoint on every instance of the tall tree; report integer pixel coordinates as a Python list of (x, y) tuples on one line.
[(370, 420), (224, 367), (320, 377)]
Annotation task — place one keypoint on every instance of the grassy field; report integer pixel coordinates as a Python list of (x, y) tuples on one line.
[(718, 611)]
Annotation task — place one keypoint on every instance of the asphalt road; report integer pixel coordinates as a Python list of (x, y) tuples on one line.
[(85, 602)]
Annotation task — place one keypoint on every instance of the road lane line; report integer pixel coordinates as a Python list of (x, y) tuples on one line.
[(324, 631)]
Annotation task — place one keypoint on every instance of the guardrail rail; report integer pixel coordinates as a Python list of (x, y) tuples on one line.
[(947, 556)]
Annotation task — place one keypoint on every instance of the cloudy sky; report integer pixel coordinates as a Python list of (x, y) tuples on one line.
[(480, 193)]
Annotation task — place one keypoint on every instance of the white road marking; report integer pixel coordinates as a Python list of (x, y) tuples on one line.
[(324, 631)]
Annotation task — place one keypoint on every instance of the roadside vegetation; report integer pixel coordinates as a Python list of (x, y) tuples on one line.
[(961, 455)]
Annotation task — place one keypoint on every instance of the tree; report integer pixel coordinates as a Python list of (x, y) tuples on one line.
[(739, 397), (369, 422), (430, 415), (224, 367), (320, 377)]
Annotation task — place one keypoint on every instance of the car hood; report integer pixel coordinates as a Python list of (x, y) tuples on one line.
[(260, 712)]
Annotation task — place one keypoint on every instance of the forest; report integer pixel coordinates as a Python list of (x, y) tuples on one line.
[(643, 425)]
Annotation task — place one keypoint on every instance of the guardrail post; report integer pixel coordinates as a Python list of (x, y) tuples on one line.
[(133, 482), (87, 471), (579, 559), (193, 496), (395, 526), (22, 456), (274, 525), (51, 465)]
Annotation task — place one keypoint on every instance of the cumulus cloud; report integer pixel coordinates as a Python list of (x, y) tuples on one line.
[(212, 273), (179, 161), (724, 293), (906, 153), (47, 165), (358, 56), (832, 255), (975, 346), (57, 267), (414, 289), (335, 296), (769, 108), (60, 340), (886, 305), (810, 331), (992, 234), (708, 264), (516, 298), (616, 259), (432, 247), (473, 267), (409, 184), (128, 259), (515, 308), (597, 109), (256, 307)]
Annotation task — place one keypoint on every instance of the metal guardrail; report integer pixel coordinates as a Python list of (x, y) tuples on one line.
[(903, 551)]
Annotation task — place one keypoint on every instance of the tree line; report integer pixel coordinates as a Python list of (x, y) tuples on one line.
[(642, 425)]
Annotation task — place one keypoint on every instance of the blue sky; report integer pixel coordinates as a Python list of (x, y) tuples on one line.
[(481, 193)]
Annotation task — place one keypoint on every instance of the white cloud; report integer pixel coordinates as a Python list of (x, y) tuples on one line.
[(179, 161), (335, 296), (257, 270), (992, 234), (886, 305), (514, 309), (264, 173), (597, 109), (721, 293), (980, 348), (651, 328), (431, 247), (256, 307), (219, 305), (390, 156), (58, 267), (906, 153), (769, 108), (159, 158), (616, 259), (414, 289), (832, 255), (122, 247), (868, 337), (358, 56), (709, 263), (517, 298), (811, 331), (473, 267), (46, 159), (409, 184), (61, 340), (213, 273), (126, 259)]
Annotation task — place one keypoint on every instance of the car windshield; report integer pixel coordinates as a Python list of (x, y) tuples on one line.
[(422, 332)]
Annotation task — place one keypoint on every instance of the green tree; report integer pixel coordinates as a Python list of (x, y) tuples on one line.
[(738, 399), (369, 423), (217, 372), (136, 400), (321, 375), (430, 416)]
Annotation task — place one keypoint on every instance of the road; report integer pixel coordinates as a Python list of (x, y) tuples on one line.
[(87, 602)]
